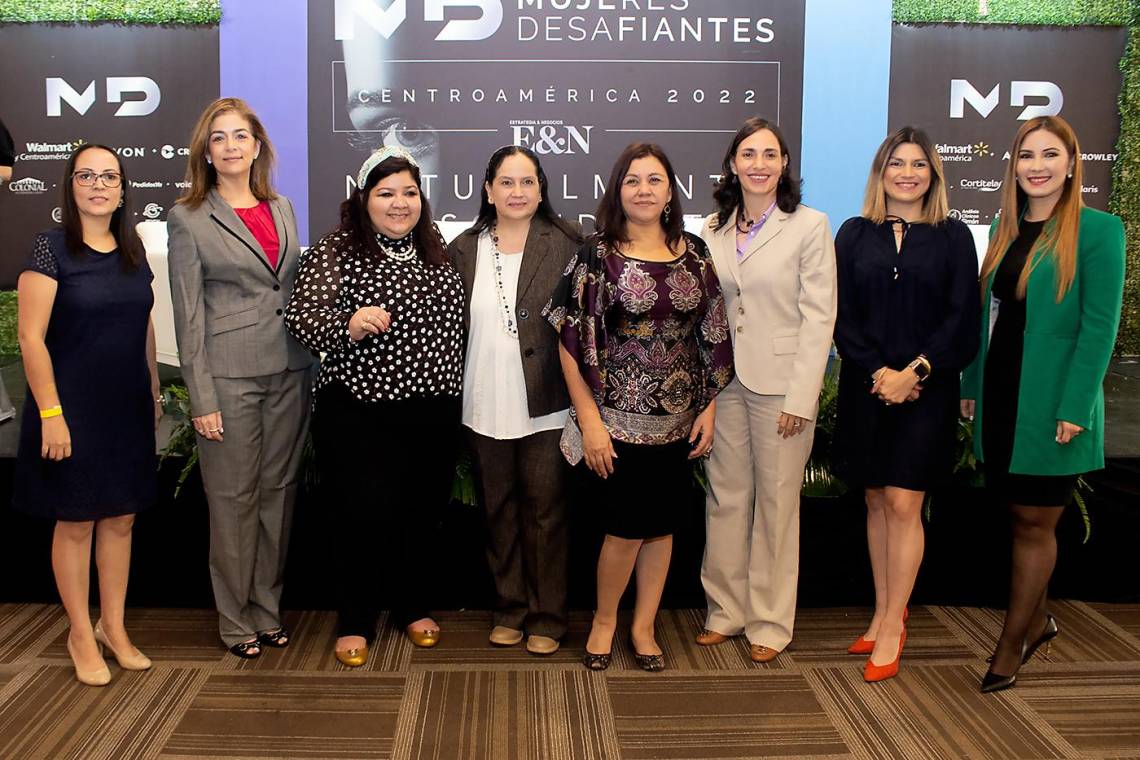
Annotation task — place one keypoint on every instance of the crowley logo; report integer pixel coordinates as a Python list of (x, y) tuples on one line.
[(27, 186), (962, 92), (386, 20), (981, 185), (153, 211), (547, 138), (58, 92)]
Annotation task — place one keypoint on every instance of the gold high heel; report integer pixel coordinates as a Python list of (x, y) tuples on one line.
[(136, 661), (98, 677)]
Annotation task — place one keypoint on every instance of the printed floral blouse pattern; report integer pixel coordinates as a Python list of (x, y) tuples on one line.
[(650, 338)]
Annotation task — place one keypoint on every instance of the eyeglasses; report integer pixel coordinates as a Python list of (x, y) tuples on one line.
[(87, 179)]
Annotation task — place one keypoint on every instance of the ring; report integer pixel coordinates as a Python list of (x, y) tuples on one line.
[(212, 431)]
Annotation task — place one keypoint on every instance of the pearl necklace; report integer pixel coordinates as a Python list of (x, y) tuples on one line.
[(401, 250), (506, 314)]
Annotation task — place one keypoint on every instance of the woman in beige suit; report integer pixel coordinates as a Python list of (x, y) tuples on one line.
[(776, 264), (234, 254)]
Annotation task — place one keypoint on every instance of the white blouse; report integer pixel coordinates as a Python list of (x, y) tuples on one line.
[(494, 389)]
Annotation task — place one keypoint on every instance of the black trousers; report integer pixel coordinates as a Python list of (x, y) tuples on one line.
[(523, 487), (386, 470)]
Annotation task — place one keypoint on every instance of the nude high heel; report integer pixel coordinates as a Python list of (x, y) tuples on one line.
[(98, 677), (136, 661)]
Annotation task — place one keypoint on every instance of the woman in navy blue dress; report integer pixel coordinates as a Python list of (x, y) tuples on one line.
[(86, 454)]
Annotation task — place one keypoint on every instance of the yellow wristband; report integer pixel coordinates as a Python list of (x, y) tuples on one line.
[(54, 411)]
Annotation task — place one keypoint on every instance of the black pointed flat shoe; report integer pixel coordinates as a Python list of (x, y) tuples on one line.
[(652, 663), (596, 661)]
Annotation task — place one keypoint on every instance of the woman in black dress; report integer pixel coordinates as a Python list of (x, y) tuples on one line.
[(1052, 283), (86, 454), (908, 301), (378, 297)]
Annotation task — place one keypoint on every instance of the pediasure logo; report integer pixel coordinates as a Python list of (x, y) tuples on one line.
[(28, 186)]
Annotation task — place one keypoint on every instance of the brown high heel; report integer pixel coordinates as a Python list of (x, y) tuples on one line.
[(97, 677), (136, 661)]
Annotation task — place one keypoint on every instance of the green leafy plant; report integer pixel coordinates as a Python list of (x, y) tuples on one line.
[(819, 477), (124, 11)]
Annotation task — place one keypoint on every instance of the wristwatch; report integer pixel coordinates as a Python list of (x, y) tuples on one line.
[(921, 368)]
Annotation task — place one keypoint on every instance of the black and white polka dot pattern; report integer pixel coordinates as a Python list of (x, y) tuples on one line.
[(422, 352)]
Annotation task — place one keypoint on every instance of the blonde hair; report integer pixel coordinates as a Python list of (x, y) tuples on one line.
[(201, 175), (1059, 236), (935, 207)]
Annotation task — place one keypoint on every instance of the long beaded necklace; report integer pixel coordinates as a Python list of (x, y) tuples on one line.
[(506, 313), (397, 250)]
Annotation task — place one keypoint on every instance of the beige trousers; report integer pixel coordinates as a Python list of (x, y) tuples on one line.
[(752, 519)]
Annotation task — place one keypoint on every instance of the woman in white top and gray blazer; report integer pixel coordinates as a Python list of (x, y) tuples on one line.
[(776, 264), (234, 254)]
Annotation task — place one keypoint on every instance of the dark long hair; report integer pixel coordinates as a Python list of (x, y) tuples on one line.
[(545, 211), (610, 216), (355, 221), (130, 247), (728, 194)]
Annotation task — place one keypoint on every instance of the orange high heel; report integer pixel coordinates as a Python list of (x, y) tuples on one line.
[(866, 646), (873, 672)]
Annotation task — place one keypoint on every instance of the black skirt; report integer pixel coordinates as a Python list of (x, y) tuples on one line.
[(647, 491)]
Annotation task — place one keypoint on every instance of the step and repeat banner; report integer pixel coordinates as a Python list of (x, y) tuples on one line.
[(575, 80), (137, 89), (971, 87)]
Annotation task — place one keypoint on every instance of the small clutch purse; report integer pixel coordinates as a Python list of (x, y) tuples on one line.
[(571, 442)]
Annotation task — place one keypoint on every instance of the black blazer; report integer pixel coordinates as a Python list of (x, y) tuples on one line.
[(547, 253)]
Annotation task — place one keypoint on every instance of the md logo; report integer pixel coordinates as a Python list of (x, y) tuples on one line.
[(550, 139), (962, 92), (59, 92), (385, 17)]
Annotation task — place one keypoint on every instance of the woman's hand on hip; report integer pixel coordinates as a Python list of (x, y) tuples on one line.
[(598, 449), (368, 320), (55, 439), (209, 426), (702, 433), (1067, 431), (789, 424)]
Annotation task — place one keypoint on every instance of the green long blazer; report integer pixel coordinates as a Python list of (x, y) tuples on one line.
[(1067, 349)]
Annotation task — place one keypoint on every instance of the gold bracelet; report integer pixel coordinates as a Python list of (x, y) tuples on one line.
[(54, 411)]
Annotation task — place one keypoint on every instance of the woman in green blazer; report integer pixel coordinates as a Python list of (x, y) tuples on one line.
[(1052, 282)]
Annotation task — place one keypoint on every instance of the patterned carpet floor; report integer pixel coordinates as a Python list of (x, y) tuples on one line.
[(466, 701)]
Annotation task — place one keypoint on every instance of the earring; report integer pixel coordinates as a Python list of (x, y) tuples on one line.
[(665, 214), (121, 201), (1070, 175), (209, 160)]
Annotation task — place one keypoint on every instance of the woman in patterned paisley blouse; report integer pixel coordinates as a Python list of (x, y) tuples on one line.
[(379, 298), (645, 350)]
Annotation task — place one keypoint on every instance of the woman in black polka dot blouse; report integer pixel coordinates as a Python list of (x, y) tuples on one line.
[(378, 298)]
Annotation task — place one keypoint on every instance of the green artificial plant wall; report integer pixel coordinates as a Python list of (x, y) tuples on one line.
[(125, 11)]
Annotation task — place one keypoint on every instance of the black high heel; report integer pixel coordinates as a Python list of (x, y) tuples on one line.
[(991, 681), (1052, 630)]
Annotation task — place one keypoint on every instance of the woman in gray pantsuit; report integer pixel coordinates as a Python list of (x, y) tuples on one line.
[(514, 398), (233, 257)]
